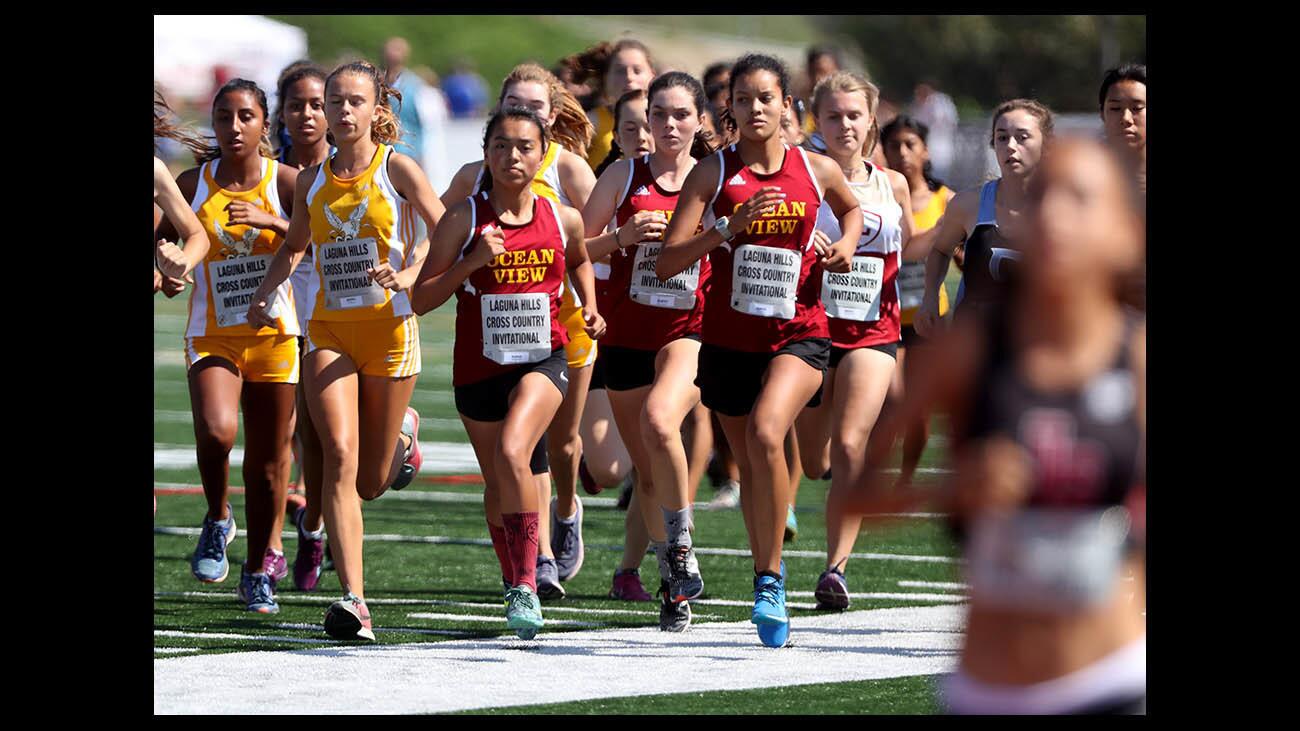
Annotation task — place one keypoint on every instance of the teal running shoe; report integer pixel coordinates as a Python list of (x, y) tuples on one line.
[(523, 612), (769, 611), (209, 563)]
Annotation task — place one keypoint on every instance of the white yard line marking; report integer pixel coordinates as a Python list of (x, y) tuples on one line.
[(957, 585), (918, 596), (498, 619), (746, 603), (502, 671), (699, 550), (234, 636), (174, 650), (380, 630)]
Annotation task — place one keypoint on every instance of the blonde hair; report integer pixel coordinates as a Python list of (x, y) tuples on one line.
[(849, 82), (571, 128), (384, 128)]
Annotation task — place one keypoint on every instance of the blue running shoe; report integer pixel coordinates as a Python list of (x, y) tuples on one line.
[(209, 563), (769, 601), (523, 612), (774, 635), (566, 543), (791, 525), (255, 591)]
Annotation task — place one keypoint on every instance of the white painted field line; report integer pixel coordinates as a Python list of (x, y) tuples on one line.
[(919, 596), (502, 671), (381, 630), (234, 636), (699, 550), (327, 599), (438, 457), (957, 585), (497, 619), (746, 603), (174, 650)]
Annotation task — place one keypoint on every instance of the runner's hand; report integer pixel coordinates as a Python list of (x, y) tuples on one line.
[(171, 259), (171, 286), (644, 226), (834, 259), (385, 277), (992, 475), (593, 323), (157, 281), (247, 214), (763, 201), (491, 244), (258, 315), (926, 321)]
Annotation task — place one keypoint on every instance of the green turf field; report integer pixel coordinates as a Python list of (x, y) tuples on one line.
[(433, 558)]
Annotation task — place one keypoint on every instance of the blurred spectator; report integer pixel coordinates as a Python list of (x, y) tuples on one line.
[(467, 93), (432, 105), (395, 53), (936, 110), (823, 61)]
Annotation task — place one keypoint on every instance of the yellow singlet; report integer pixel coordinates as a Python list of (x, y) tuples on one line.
[(602, 140), (923, 220)]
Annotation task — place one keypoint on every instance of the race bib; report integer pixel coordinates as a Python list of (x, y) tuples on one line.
[(1047, 559), (854, 295), (765, 280), (343, 266), (516, 327), (911, 285), (233, 283), (678, 293)]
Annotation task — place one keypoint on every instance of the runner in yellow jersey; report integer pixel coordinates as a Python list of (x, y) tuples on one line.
[(905, 149), (616, 68), (564, 178), (362, 342), (240, 196)]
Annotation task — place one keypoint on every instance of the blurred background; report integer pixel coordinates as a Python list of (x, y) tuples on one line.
[(948, 70)]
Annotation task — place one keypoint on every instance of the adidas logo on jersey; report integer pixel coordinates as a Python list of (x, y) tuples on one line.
[(642, 191), (736, 180)]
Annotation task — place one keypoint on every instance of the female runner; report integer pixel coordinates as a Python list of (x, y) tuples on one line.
[(363, 343), (652, 347), (1047, 393), (862, 310), (170, 260), (504, 253), (564, 178), (300, 118), (619, 68), (765, 339), (238, 194), (990, 220), (906, 150), (600, 435)]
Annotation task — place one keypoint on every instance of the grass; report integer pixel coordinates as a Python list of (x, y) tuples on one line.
[(450, 578), (913, 694)]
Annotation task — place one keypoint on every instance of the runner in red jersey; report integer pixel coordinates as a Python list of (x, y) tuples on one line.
[(504, 253), (653, 346), (863, 312), (765, 340)]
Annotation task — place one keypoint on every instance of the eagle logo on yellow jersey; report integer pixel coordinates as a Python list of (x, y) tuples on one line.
[(234, 248), (344, 230)]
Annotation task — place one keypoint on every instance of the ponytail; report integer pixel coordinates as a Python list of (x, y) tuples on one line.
[(164, 127)]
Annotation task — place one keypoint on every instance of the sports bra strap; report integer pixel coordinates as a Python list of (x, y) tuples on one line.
[(988, 212)]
